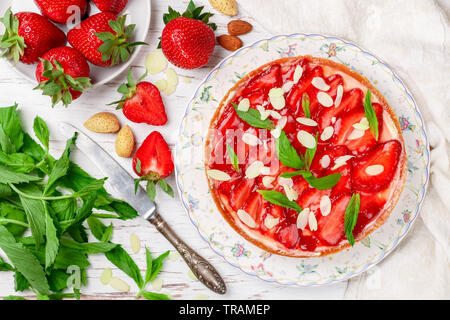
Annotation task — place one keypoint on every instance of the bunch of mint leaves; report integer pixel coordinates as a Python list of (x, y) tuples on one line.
[(54, 200)]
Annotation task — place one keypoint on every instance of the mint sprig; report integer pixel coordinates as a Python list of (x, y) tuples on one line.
[(322, 183), (233, 158), (253, 118), (279, 199), (371, 115), (351, 217), (287, 153)]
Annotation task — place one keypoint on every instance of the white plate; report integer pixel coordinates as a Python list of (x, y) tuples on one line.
[(222, 238), (138, 11)]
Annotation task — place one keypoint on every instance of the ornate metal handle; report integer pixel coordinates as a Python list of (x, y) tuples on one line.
[(201, 268)]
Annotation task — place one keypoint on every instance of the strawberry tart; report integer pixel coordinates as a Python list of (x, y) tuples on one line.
[(304, 157)]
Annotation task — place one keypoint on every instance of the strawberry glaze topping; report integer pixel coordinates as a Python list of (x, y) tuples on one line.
[(345, 145)]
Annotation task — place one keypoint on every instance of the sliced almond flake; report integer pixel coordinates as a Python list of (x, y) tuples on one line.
[(355, 134), (172, 81), (191, 275), (156, 62), (374, 170), (325, 161), (362, 125), (325, 205), (287, 86), (312, 221), (341, 161), (291, 194), (106, 276), (302, 219), (161, 84), (324, 99), (276, 133), (306, 139), (157, 284), (267, 181), (298, 73), (276, 97), (320, 84), (333, 120), (263, 112), (119, 284), (281, 123), (254, 170), (270, 221), (265, 170), (327, 133), (135, 243), (285, 181), (218, 175), (339, 94), (174, 255), (244, 105), (250, 139), (307, 121), (274, 114), (246, 218)]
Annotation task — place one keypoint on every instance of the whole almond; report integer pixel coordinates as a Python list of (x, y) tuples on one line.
[(227, 7), (103, 122), (231, 43), (125, 142), (239, 27)]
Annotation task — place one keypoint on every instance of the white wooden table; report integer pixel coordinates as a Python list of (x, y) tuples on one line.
[(177, 283)]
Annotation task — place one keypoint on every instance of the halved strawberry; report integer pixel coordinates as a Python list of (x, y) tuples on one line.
[(141, 102), (371, 205), (331, 227), (311, 197), (385, 156), (253, 206), (271, 78), (155, 158), (288, 236), (241, 192), (153, 162), (294, 98), (344, 127), (350, 100)]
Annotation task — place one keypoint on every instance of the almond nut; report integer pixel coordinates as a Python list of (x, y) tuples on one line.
[(103, 122), (239, 27), (227, 7), (125, 142), (228, 42)]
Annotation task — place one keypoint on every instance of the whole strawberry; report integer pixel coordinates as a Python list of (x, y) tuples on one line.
[(153, 162), (114, 6), (141, 102), (188, 40), (28, 36), (104, 39), (63, 74), (62, 10)]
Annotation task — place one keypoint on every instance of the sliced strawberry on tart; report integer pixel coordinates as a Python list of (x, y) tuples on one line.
[(305, 157)]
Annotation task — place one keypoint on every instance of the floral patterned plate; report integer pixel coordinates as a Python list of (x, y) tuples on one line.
[(196, 197)]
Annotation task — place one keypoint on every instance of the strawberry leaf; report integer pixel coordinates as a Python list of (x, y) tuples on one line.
[(13, 44), (166, 187)]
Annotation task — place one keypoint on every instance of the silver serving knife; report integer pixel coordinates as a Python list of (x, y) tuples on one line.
[(123, 184)]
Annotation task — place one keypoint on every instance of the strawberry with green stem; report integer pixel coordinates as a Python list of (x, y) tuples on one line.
[(141, 102), (188, 39), (28, 36), (63, 74), (153, 162), (104, 39)]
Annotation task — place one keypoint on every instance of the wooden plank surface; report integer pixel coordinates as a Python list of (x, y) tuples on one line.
[(177, 283)]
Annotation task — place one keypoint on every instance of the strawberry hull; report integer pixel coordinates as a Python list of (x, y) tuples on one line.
[(336, 99)]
